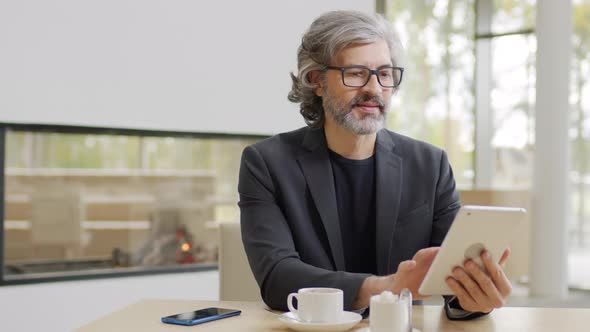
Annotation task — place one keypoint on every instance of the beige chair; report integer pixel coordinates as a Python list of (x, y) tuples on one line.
[(236, 281)]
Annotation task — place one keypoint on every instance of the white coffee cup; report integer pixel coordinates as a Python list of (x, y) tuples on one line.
[(317, 305), (390, 312)]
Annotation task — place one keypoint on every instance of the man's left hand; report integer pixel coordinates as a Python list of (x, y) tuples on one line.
[(478, 291)]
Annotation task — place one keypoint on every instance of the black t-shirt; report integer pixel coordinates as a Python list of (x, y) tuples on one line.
[(355, 196)]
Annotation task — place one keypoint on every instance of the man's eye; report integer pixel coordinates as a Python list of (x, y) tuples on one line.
[(385, 74), (356, 73)]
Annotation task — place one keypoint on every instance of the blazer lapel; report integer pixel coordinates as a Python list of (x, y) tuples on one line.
[(315, 163), (388, 194)]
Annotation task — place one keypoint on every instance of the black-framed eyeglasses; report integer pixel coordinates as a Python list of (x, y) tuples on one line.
[(358, 76)]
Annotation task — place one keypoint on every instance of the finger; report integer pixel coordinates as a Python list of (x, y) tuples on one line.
[(496, 273), (406, 266), (505, 256), (471, 287), (426, 253), (465, 300), (425, 257), (493, 296)]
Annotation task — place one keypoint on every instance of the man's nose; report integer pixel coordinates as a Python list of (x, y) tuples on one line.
[(373, 87)]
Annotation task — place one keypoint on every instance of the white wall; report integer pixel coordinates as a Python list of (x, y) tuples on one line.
[(184, 65), (63, 306)]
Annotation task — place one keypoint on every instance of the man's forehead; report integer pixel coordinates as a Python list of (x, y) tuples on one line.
[(375, 53)]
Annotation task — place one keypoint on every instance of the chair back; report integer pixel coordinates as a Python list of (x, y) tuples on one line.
[(236, 281)]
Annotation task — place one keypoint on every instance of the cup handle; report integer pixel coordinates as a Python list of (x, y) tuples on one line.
[(290, 302)]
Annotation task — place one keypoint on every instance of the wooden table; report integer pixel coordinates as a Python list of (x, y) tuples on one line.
[(145, 316)]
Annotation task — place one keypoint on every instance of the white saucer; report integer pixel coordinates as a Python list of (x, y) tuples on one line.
[(347, 321), (366, 329)]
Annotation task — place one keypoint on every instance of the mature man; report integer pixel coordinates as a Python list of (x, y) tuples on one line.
[(343, 202)]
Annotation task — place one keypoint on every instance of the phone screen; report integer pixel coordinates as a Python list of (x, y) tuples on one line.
[(200, 316)]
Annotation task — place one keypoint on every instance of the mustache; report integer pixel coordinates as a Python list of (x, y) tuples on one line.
[(365, 98)]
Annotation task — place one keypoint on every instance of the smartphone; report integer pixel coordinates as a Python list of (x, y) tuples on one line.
[(200, 316)]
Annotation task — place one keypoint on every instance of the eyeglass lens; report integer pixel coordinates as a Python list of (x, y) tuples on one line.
[(357, 77)]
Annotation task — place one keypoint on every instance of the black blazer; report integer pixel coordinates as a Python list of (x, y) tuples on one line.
[(289, 217)]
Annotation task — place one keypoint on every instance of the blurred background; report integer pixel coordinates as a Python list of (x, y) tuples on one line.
[(123, 123)]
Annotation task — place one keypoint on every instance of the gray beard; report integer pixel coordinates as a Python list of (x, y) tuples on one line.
[(343, 116)]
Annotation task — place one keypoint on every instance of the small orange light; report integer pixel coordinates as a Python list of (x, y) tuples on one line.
[(185, 247)]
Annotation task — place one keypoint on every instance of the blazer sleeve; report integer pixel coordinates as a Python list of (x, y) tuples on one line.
[(269, 244), (446, 203)]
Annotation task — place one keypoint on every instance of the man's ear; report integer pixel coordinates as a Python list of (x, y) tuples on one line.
[(315, 79)]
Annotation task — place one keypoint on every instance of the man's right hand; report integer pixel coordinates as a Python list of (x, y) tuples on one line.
[(410, 273)]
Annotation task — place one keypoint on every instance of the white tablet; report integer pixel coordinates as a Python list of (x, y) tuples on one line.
[(475, 228)]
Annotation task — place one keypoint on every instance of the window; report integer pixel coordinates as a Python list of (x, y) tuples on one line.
[(81, 203), (579, 224), (436, 100), (512, 91), (485, 121)]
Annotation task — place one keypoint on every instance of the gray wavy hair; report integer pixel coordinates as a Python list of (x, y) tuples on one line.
[(328, 35)]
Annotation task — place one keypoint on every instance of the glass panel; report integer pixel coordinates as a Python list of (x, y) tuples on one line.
[(79, 202), (436, 99), (19, 154), (176, 153), (513, 15), (85, 151), (579, 224), (512, 105)]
